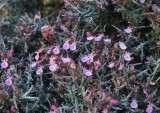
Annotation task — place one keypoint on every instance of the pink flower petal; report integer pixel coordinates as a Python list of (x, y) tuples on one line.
[(62, 26), (148, 95), (33, 64), (98, 63), (53, 67), (134, 104), (73, 65), (90, 38), (52, 60), (84, 59), (153, 7), (103, 95), (152, 83), (88, 72), (66, 60), (66, 46), (91, 56), (120, 68), (54, 107), (105, 110), (10, 53), (49, 51), (114, 101), (98, 38), (111, 65), (128, 30), (39, 71), (107, 40), (122, 45), (149, 109), (56, 50), (73, 46), (8, 81), (127, 56), (88, 97), (4, 64), (88, 34), (37, 56), (142, 1), (13, 108)]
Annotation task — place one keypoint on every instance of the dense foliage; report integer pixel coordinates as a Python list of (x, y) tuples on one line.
[(93, 56)]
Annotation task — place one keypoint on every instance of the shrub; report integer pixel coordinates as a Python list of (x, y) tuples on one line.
[(96, 56)]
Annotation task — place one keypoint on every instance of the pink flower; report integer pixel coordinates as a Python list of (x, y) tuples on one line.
[(84, 59), (73, 46), (54, 107), (149, 109), (98, 38), (66, 45), (33, 64), (73, 65), (25, 34), (53, 68), (128, 30), (13, 108), (103, 95), (37, 16), (90, 58), (39, 71), (152, 83), (116, 45), (10, 69), (62, 26), (8, 81), (87, 72), (145, 90), (4, 63), (88, 34), (107, 40), (98, 63), (153, 7), (10, 53), (66, 60), (90, 38), (131, 68), (105, 110), (148, 95), (127, 56), (111, 65), (37, 56), (52, 60), (120, 67), (134, 104), (142, 1), (88, 98), (114, 101), (122, 45), (49, 51), (56, 50)]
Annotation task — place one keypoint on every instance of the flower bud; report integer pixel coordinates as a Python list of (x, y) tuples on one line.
[(10, 53)]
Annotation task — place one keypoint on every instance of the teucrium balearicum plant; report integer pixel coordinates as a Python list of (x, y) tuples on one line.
[(94, 56)]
